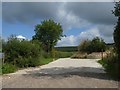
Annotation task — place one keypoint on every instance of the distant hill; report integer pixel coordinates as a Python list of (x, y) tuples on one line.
[(67, 48), (110, 44), (75, 48)]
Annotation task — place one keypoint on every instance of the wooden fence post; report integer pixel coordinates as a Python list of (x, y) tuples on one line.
[(102, 54)]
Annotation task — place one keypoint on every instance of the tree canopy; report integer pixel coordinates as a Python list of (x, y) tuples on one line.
[(94, 45), (48, 33), (116, 35), (117, 28)]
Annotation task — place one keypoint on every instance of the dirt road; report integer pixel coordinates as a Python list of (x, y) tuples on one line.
[(62, 73)]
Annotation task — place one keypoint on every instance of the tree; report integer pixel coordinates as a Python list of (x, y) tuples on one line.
[(98, 44), (94, 45), (116, 35), (117, 28), (48, 33)]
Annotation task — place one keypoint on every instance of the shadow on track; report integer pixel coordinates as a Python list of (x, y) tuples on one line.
[(59, 72)]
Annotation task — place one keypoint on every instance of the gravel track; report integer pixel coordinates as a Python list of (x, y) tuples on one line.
[(62, 73)]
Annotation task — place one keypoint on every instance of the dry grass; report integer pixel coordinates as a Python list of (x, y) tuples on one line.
[(79, 55), (94, 55)]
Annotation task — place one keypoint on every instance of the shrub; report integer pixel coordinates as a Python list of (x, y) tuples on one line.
[(8, 68), (22, 53), (46, 54), (34, 61), (110, 63), (96, 45), (85, 46)]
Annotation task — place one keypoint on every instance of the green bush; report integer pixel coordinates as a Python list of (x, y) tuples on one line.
[(95, 45), (46, 54), (110, 63), (34, 62), (85, 46), (8, 68), (22, 53)]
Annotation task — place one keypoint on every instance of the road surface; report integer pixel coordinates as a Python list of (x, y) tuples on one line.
[(62, 73)]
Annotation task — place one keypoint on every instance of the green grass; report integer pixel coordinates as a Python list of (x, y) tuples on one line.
[(60, 54), (45, 61), (111, 66), (8, 68)]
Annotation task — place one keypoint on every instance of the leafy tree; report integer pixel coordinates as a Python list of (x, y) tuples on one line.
[(48, 33), (98, 44), (95, 45), (117, 28), (116, 34)]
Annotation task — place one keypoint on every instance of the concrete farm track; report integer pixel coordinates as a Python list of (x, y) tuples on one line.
[(62, 73)]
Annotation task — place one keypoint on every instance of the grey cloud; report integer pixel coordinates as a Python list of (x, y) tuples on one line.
[(107, 39), (106, 30), (99, 13), (71, 15), (28, 11), (95, 12)]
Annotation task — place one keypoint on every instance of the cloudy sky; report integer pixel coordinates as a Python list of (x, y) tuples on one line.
[(80, 20)]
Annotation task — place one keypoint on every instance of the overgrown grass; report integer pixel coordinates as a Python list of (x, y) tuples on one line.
[(24, 62), (45, 61), (0, 66), (8, 68), (110, 63)]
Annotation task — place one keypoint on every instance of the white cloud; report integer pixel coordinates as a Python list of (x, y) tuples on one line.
[(67, 41), (69, 20), (75, 40), (87, 34), (90, 33), (21, 37)]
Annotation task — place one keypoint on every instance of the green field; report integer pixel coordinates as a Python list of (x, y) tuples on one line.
[(67, 48)]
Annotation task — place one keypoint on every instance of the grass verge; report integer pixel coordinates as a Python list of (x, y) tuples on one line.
[(111, 67), (8, 68), (45, 61)]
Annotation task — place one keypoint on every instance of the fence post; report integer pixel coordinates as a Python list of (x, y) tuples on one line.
[(3, 58), (102, 54)]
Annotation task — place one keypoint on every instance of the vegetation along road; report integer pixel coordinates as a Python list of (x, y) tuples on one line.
[(62, 73)]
